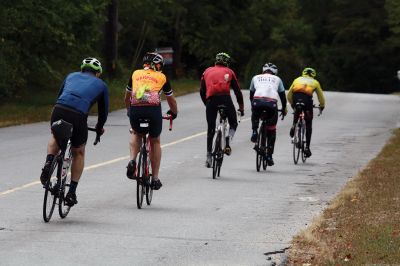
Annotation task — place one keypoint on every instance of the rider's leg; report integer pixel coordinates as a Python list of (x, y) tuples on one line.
[(155, 156), (255, 120), (211, 115), (134, 145), (78, 162), (232, 119)]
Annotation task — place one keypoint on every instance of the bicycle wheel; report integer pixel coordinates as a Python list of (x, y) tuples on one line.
[(140, 186), (50, 193), (259, 157), (303, 141), (296, 143), (63, 209), (216, 154), (149, 179)]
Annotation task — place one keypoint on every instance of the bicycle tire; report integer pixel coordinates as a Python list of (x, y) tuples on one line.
[(264, 142), (50, 197), (215, 155), (149, 179), (140, 187), (63, 209), (303, 135), (296, 143), (259, 157)]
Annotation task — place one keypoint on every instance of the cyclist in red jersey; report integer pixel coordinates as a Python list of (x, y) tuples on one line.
[(214, 91)]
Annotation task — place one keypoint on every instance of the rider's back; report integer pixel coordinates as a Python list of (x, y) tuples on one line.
[(80, 90)]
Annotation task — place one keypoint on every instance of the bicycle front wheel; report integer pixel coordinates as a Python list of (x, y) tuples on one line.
[(63, 209), (140, 182), (216, 164), (50, 193), (296, 143)]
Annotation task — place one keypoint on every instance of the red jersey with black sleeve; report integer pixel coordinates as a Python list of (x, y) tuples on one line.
[(218, 80)]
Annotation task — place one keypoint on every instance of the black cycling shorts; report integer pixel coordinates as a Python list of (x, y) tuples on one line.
[(258, 106), (78, 121), (153, 113)]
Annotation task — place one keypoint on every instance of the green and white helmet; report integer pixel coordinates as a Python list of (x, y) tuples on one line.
[(222, 59), (92, 63)]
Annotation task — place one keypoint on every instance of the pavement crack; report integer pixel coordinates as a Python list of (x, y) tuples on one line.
[(276, 252)]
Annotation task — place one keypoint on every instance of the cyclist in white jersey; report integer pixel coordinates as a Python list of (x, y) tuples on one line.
[(265, 89)]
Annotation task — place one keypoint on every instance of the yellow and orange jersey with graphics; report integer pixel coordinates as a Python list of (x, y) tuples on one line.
[(146, 86), (306, 85)]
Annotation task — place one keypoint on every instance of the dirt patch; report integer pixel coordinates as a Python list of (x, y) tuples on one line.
[(361, 226)]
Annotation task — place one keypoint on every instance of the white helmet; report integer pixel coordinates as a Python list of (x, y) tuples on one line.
[(270, 67)]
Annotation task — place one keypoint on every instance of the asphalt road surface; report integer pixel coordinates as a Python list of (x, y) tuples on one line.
[(242, 218)]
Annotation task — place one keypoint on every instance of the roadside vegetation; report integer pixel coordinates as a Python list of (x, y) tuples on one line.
[(361, 226), (35, 107)]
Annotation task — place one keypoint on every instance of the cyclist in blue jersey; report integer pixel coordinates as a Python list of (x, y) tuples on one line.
[(78, 92)]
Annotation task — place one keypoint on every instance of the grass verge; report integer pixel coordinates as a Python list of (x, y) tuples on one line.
[(37, 107), (361, 226)]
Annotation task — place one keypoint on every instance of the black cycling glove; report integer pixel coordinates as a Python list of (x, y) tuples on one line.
[(172, 114)]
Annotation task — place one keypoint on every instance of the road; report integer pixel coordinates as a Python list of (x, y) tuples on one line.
[(242, 218)]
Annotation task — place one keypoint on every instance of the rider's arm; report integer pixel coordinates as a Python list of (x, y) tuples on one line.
[(238, 93), (290, 95), (282, 96), (168, 92), (128, 93), (320, 95), (203, 91), (252, 89), (102, 106)]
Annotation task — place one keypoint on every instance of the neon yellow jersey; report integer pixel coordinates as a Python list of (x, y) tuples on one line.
[(306, 85)]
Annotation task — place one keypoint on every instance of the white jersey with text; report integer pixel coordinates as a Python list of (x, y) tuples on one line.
[(266, 86)]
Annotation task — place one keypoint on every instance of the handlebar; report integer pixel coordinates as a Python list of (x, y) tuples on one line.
[(168, 117), (318, 107), (281, 115), (97, 140)]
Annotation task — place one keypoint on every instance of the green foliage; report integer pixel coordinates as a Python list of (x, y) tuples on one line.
[(43, 39), (354, 45)]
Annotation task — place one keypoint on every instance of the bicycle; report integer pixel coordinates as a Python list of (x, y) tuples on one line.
[(260, 146), (218, 150), (142, 174), (299, 137), (56, 188)]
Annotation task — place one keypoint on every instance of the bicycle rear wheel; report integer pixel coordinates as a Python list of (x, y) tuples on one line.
[(259, 157), (140, 182), (50, 193), (63, 209), (296, 143), (303, 141), (149, 179), (216, 164)]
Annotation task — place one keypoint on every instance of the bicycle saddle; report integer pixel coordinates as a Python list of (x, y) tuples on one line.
[(62, 131)]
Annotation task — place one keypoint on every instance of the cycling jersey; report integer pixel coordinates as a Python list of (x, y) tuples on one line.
[(146, 85), (306, 85), (217, 81), (266, 86), (80, 91)]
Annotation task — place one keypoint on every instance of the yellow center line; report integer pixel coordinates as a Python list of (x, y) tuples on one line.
[(33, 183)]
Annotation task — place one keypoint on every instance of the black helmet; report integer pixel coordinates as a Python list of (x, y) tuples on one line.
[(222, 59), (270, 67), (154, 60)]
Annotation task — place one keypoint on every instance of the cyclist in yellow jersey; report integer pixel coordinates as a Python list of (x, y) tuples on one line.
[(302, 90), (142, 100)]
